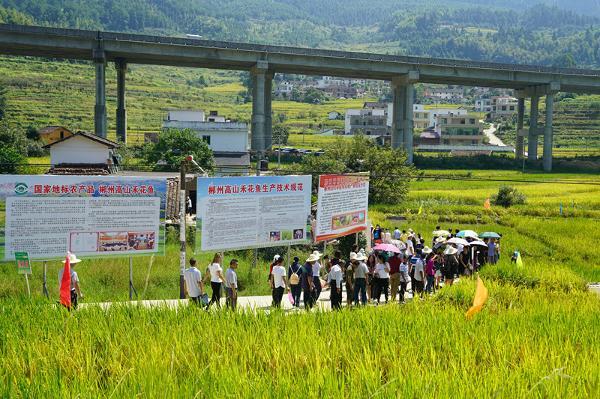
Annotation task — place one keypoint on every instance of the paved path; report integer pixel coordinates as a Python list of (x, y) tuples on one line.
[(491, 135), (244, 302)]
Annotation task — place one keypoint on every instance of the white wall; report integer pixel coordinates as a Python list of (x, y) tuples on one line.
[(186, 115), (78, 150)]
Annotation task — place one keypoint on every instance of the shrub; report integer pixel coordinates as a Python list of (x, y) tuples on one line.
[(174, 145), (508, 196), (10, 160)]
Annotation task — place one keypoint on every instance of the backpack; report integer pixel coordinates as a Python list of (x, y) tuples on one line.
[(295, 278)]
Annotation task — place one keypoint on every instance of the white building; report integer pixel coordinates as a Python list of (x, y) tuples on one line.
[(82, 149), (483, 105), (503, 106), (425, 118), (228, 140)]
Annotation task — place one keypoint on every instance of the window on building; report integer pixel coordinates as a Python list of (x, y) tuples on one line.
[(62, 135), (206, 139), (444, 121), (472, 121), (512, 107), (504, 108), (474, 142)]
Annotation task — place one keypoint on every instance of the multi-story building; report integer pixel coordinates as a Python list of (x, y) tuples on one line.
[(340, 91), (483, 105), (369, 121), (450, 94), (503, 106), (459, 130), (228, 140)]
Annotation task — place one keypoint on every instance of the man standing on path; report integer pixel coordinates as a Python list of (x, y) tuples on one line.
[(361, 271), (278, 282), (316, 275), (306, 279), (334, 280), (394, 262), (193, 283), (416, 263), (231, 285)]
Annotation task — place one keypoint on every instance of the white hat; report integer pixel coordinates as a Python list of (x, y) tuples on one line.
[(440, 239), (352, 255), (426, 250), (450, 250), (362, 251), (360, 256), (72, 259), (317, 253), (276, 257), (313, 257)]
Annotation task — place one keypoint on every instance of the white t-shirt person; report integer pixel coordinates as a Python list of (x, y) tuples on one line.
[(382, 270), (214, 270), (278, 275), (231, 277), (192, 277), (316, 269)]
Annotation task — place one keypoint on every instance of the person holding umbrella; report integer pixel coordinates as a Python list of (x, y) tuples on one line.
[(450, 265)]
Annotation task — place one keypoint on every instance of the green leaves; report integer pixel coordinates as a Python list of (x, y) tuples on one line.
[(174, 145)]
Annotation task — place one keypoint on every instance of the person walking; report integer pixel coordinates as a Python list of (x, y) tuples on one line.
[(75, 289), (316, 275), (278, 282), (492, 251), (371, 279), (404, 277), (429, 270), (335, 278), (194, 287), (382, 270), (349, 279), (450, 265), (294, 276), (418, 272), (361, 271), (307, 281), (215, 271), (394, 262), (231, 285)]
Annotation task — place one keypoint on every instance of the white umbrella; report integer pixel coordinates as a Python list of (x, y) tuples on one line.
[(478, 243), (458, 241), (441, 233)]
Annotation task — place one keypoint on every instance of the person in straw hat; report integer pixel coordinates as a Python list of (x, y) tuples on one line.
[(307, 281), (75, 288), (360, 270), (450, 265), (316, 274)]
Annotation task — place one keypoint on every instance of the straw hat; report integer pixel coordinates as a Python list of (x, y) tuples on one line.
[(313, 257), (352, 255), (317, 253), (426, 250), (276, 257), (360, 256), (450, 251), (72, 259)]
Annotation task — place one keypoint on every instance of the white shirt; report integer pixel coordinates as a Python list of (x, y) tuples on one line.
[(381, 271), (74, 278), (410, 248), (335, 274), (418, 266), (361, 270), (278, 275), (397, 234), (387, 237), (231, 278), (192, 277), (316, 268), (214, 270)]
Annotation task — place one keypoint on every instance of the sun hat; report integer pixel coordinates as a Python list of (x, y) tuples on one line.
[(317, 253), (313, 257), (427, 250), (360, 256), (72, 259), (352, 256), (276, 257), (450, 250)]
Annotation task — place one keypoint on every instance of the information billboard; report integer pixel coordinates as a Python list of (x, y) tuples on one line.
[(342, 205), (47, 216), (253, 211)]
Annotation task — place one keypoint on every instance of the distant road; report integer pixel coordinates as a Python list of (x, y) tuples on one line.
[(491, 135)]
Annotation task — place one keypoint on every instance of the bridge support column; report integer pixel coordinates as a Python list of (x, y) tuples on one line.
[(532, 138), (403, 92), (548, 132), (100, 107), (398, 100), (408, 122), (121, 67), (268, 110), (520, 139), (259, 129)]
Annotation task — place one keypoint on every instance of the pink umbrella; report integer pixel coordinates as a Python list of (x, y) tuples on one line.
[(386, 248)]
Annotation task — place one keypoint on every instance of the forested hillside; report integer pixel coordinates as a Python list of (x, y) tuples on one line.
[(564, 34)]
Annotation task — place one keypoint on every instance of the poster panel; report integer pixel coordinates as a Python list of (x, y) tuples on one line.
[(252, 211), (23, 264), (342, 205), (100, 216)]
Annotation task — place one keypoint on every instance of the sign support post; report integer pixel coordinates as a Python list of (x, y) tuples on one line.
[(45, 286), (131, 287), (182, 227), (24, 267), (27, 282), (258, 160)]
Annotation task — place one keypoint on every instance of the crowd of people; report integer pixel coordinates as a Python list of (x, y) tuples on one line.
[(398, 262)]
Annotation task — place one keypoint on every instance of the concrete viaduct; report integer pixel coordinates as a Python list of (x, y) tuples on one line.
[(263, 61)]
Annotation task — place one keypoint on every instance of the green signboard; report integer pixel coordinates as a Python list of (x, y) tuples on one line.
[(23, 264)]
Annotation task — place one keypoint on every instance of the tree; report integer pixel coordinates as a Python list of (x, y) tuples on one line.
[(314, 96), (174, 145), (281, 133), (389, 173), (10, 159), (508, 196)]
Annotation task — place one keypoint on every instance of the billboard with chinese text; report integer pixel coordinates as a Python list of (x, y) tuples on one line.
[(342, 205), (47, 216), (253, 211)]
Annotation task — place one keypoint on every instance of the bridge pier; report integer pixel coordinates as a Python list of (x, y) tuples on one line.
[(261, 129), (532, 138), (100, 107), (548, 132), (403, 92), (121, 67), (519, 147)]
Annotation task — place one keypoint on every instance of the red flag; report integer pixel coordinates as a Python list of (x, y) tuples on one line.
[(65, 284)]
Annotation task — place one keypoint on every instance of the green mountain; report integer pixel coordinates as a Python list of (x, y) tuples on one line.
[(554, 32)]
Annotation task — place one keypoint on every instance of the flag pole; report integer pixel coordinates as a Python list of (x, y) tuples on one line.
[(27, 282)]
